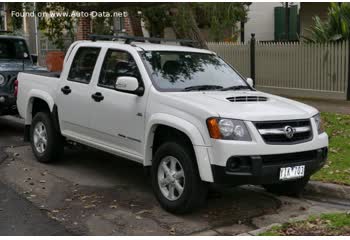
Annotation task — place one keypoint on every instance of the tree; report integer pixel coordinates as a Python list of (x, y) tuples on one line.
[(222, 15), (186, 18), (54, 27), (15, 24), (185, 25), (335, 28)]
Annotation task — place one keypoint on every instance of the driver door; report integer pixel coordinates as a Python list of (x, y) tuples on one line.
[(118, 119)]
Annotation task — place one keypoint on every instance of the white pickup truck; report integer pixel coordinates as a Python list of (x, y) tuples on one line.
[(181, 112)]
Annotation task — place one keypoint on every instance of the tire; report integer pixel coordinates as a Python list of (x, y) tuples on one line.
[(194, 191), (54, 145), (290, 188)]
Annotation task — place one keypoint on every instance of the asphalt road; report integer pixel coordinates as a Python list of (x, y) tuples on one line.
[(18, 216), (92, 193)]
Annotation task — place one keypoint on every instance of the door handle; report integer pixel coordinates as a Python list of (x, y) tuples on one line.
[(66, 90), (98, 97)]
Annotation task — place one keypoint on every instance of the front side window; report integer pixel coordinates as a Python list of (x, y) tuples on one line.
[(83, 64), (187, 71), (117, 64)]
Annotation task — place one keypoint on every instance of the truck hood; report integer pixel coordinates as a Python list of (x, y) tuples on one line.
[(274, 108), (18, 65)]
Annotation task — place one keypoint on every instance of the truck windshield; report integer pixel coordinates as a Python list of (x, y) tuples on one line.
[(187, 71), (11, 48)]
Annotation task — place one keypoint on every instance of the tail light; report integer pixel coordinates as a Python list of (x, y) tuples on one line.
[(16, 88)]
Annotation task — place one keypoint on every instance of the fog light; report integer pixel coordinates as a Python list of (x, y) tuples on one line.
[(233, 163), (2, 99)]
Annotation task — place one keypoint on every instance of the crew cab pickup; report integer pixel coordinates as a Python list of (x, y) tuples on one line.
[(181, 112)]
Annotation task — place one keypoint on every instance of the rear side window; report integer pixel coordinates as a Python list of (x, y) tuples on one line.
[(83, 65)]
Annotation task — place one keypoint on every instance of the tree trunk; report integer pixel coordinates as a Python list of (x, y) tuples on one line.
[(185, 25)]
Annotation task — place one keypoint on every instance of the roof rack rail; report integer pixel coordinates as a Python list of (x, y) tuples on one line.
[(130, 39)]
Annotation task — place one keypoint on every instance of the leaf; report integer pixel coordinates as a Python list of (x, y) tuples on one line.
[(143, 211), (172, 231), (89, 206)]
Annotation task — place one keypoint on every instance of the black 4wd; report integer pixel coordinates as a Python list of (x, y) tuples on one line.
[(14, 58)]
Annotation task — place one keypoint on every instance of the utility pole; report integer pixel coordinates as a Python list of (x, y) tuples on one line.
[(36, 31)]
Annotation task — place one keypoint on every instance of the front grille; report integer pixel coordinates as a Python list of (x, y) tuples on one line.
[(273, 132), (289, 158), (247, 99)]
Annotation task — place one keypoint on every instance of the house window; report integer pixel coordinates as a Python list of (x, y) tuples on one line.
[(118, 24)]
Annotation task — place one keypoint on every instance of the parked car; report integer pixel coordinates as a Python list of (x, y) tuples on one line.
[(14, 58), (181, 112)]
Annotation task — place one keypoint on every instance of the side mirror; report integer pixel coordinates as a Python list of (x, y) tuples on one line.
[(34, 58), (129, 84), (250, 82)]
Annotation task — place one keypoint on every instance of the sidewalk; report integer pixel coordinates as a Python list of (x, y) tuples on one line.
[(326, 105)]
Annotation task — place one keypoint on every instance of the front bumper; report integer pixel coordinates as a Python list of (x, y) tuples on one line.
[(265, 169), (262, 161)]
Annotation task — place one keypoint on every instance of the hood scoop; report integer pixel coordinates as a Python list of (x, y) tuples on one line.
[(247, 99)]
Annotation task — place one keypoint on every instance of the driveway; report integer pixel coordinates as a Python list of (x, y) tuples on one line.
[(92, 193)]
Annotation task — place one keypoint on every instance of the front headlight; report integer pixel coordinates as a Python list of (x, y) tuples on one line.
[(2, 80), (319, 123), (228, 129)]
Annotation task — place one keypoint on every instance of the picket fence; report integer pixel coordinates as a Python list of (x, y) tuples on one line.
[(293, 69)]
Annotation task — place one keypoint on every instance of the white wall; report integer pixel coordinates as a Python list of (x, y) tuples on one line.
[(261, 20)]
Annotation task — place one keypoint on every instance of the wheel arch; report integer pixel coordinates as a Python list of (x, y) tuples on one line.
[(186, 128), (40, 101), (35, 96)]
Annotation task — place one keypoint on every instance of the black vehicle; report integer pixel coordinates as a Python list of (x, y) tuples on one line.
[(14, 58)]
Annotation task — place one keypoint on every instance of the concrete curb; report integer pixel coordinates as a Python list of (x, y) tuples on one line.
[(328, 190), (261, 230)]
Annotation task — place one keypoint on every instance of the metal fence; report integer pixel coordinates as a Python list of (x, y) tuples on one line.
[(293, 69), (46, 46)]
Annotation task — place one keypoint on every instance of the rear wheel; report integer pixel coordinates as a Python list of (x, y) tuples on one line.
[(175, 179), (47, 143), (289, 188)]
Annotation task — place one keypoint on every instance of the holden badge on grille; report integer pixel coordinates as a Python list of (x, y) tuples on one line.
[(289, 131)]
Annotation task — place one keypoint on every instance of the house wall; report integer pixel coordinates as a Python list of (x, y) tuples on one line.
[(261, 21), (261, 16), (307, 11)]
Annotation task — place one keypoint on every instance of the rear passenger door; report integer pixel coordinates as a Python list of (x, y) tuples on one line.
[(118, 119), (74, 96)]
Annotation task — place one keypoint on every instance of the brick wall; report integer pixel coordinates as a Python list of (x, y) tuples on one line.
[(84, 28), (127, 26)]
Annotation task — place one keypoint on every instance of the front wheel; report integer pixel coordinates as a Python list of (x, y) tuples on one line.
[(175, 179), (47, 143), (289, 188)]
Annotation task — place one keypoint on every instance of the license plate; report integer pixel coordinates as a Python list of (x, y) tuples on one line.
[(292, 172)]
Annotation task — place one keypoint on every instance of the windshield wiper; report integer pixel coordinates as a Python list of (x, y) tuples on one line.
[(240, 87), (202, 87)]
